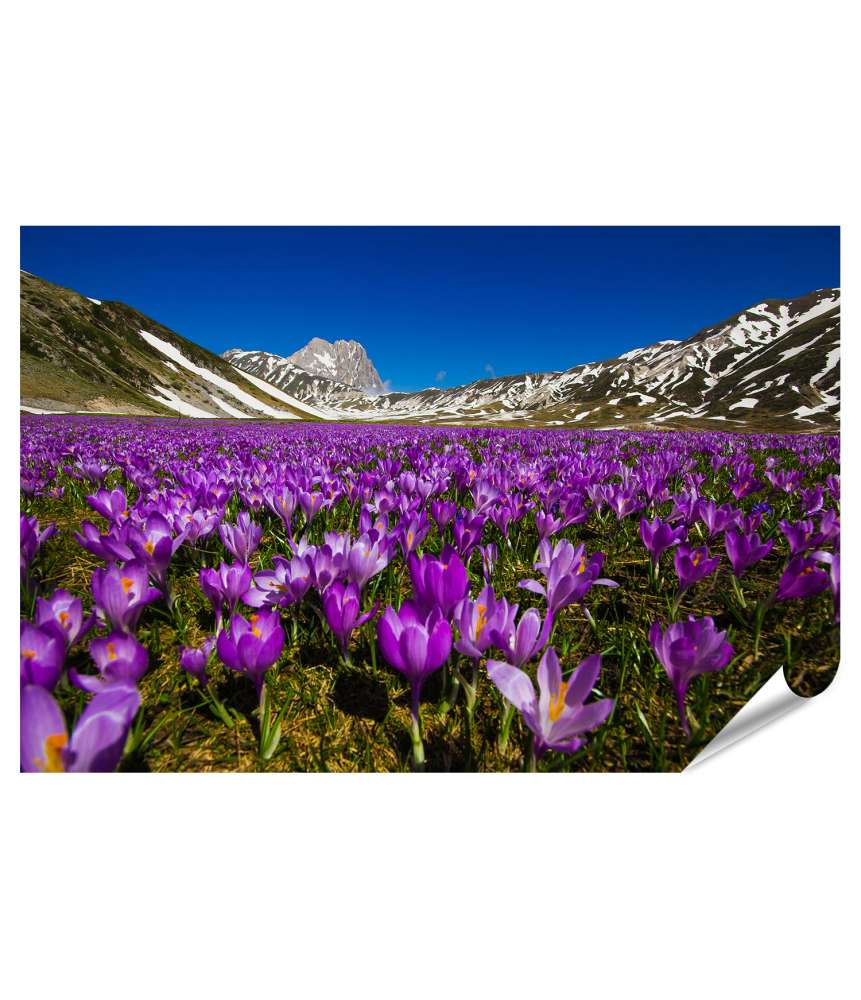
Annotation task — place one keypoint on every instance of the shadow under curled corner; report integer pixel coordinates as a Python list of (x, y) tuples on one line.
[(774, 700)]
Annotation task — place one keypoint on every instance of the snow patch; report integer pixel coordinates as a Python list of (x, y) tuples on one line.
[(229, 409), (222, 383), (174, 402)]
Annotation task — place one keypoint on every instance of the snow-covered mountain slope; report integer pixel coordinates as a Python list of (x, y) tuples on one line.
[(774, 365), (295, 381), (345, 362), (79, 354)]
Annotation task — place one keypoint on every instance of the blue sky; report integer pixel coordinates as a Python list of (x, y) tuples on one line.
[(438, 306)]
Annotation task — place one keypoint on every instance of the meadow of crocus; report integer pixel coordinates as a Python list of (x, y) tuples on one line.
[(252, 596)]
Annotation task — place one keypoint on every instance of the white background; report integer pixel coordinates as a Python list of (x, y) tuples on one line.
[(740, 878)]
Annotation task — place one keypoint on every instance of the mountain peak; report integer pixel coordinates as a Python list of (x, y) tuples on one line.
[(344, 361)]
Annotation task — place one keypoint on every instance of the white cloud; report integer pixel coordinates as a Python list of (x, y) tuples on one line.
[(440, 375), (379, 390), (491, 371)]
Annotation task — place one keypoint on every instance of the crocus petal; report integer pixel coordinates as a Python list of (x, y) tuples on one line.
[(514, 685), (583, 680), (388, 641), (41, 720), (99, 738)]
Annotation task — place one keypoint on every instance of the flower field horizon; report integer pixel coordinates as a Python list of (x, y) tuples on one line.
[(242, 596)]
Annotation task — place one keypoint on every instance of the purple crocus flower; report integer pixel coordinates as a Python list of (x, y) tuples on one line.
[(225, 587), (477, 621), (442, 511), (557, 715), (547, 525), (242, 538), (32, 539), (659, 536), (438, 582), (194, 660), (112, 546), (367, 558), (252, 645), (527, 639), (717, 519), (832, 560), (155, 545), (414, 644), (745, 484), (339, 543), (623, 501), (43, 653), (120, 658), (467, 530), (196, 524), (97, 741), (812, 500), (687, 649), (327, 565), (282, 501), (63, 614), (489, 555), (111, 504), (121, 593), (801, 578), (341, 607), (788, 480), (412, 531), (744, 550), (502, 516), (311, 504), (282, 586), (693, 565), (569, 574), (829, 527), (749, 523), (801, 535)]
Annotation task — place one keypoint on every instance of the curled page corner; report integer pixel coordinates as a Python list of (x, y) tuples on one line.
[(773, 700)]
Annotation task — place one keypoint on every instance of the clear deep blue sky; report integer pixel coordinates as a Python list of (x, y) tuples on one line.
[(438, 306)]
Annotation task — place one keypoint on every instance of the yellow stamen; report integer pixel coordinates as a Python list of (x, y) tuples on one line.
[(53, 759), (64, 619), (149, 547), (409, 539), (582, 567), (29, 654), (481, 621), (254, 627), (127, 583), (557, 703), (112, 651)]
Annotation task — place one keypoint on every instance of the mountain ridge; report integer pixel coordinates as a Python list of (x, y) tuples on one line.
[(774, 365), (710, 376)]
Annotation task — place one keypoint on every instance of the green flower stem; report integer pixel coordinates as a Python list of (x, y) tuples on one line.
[(736, 586), (505, 727), (418, 746)]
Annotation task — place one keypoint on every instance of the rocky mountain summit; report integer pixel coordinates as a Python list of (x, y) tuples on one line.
[(344, 361)]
